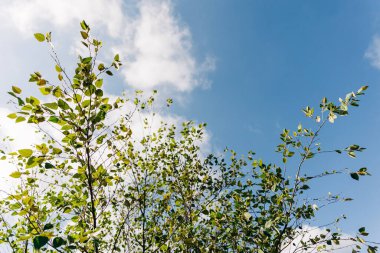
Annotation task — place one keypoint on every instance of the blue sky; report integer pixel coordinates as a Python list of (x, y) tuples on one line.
[(247, 68), (275, 57)]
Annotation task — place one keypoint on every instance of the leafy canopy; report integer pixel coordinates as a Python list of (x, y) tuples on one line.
[(93, 185)]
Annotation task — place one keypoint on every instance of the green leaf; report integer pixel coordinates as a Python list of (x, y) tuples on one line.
[(77, 98), (57, 92), (105, 100), (54, 119), (16, 89), (16, 174), (101, 66), (33, 100), (53, 106), (91, 90), (27, 108), (63, 105), (355, 176), (84, 34), (86, 103), (99, 83), (58, 68), (20, 101), (25, 152), (20, 119), (99, 93), (57, 151), (45, 90), (66, 127), (48, 226), (12, 116), (15, 206), (32, 162), (40, 241), (58, 242), (40, 37), (84, 25), (41, 82), (49, 166), (87, 60)]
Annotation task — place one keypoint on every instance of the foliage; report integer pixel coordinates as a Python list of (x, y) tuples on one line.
[(92, 185)]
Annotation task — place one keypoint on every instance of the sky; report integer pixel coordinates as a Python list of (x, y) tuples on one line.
[(247, 68)]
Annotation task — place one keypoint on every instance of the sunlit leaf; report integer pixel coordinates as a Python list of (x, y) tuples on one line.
[(40, 37)]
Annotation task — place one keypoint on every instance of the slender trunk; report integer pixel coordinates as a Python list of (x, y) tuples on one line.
[(92, 197)]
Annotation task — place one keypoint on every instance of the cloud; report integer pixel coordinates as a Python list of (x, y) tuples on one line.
[(23, 135), (156, 45), (373, 52), (159, 50), (29, 16)]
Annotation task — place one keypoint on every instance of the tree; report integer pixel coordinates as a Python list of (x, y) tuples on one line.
[(92, 186)]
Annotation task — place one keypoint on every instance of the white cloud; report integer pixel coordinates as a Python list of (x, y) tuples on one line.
[(373, 52), (29, 16), (157, 46), (159, 52), (23, 136)]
